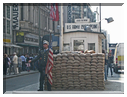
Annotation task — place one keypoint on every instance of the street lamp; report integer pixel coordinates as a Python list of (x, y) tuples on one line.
[(109, 20)]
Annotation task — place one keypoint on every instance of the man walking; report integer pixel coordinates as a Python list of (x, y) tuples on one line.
[(109, 64), (15, 63), (23, 62), (43, 56)]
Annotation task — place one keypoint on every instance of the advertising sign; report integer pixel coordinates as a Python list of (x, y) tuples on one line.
[(20, 37), (15, 16)]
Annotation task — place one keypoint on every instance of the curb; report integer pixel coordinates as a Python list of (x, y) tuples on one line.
[(20, 75)]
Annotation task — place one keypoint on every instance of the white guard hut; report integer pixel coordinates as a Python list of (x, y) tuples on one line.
[(75, 38)]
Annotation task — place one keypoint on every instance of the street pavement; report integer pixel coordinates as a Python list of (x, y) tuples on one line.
[(13, 82), (19, 74), (114, 84)]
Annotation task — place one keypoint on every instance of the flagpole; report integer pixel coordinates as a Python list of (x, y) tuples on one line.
[(39, 29), (61, 29)]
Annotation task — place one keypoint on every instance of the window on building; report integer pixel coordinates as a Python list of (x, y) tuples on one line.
[(36, 40), (66, 47), (49, 23), (91, 46), (3, 10), (8, 12), (4, 26), (73, 19), (21, 11), (84, 14), (29, 9), (78, 45), (84, 6), (8, 27), (34, 17)]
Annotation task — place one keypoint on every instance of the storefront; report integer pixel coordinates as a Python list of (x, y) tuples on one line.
[(82, 40), (9, 48), (28, 41)]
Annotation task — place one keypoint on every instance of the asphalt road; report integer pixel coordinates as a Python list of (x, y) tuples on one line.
[(21, 81)]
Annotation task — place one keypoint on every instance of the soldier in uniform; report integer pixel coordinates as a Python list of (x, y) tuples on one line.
[(42, 57)]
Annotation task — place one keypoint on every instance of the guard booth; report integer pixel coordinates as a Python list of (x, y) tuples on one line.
[(55, 42)]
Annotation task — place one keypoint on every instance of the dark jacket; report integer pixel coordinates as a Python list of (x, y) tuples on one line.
[(27, 59), (42, 57), (110, 59), (5, 62)]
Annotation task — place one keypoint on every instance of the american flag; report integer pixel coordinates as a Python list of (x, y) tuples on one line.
[(49, 64), (54, 13)]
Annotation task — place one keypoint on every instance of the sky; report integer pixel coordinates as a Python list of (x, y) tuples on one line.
[(115, 28)]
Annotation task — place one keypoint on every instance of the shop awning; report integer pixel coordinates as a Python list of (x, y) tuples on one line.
[(32, 36), (11, 45), (27, 45)]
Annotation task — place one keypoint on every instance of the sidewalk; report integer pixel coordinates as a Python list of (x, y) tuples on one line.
[(19, 74)]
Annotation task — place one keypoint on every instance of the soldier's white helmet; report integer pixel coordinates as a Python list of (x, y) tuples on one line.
[(45, 42)]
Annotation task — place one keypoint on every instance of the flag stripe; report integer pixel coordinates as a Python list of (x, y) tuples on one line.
[(50, 60), (49, 64), (54, 13)]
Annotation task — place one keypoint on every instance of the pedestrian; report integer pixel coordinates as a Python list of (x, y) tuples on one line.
[(15, 63), (106, 62), (109, 64), (27, 63), (5, 64), (42, 57), (32, 65), (11, 65), (23, 62), (19, 64)]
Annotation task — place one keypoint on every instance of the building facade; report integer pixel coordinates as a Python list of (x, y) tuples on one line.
[(24, 28), (78, 11), (8, 45), (105, 43)]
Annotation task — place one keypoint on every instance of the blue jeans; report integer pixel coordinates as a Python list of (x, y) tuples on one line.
[(109, 66), (28, 68), (105, 72)]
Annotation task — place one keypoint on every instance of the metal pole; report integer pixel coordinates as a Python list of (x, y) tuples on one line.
[(39, 29), (61, 29), (100, 17)]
